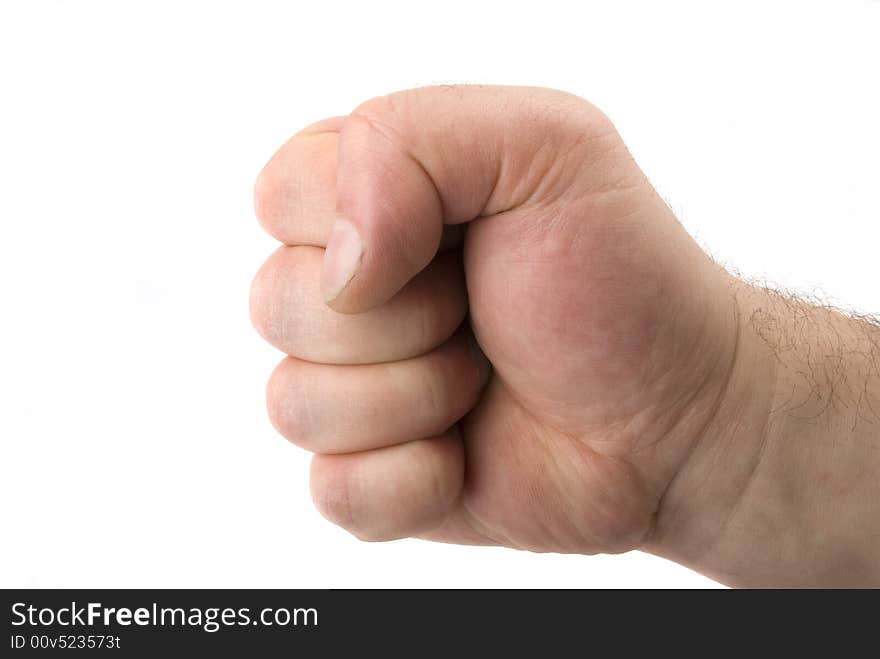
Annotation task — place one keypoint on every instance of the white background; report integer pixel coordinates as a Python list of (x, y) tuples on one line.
[(135, 446)]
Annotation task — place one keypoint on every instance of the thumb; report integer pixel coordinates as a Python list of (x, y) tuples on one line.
[(410, 162)]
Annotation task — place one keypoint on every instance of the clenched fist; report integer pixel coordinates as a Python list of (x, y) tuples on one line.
[(498, 333)]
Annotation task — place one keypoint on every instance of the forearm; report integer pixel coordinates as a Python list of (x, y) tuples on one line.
[(783, 487)]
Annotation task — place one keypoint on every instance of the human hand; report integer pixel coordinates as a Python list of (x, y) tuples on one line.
[(618, 367)]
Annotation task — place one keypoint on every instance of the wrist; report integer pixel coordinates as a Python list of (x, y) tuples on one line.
[(779, 488), (724, 453)]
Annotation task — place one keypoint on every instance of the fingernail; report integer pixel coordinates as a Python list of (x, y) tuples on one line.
[(341, 259)]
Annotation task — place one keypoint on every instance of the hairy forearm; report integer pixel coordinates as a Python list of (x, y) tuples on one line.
[(783, 487)]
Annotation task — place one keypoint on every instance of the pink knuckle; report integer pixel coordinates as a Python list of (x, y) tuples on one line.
[(383, 117), (279, 303), (287, 408), (271, 199), (380, 108), (260, 305), (337, 498), (331, 492)]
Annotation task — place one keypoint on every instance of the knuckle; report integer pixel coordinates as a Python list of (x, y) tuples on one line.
[(261, 308), (269, 301), (269, 197), (339, 497), (569, 123), (287, 405), (574, 111), (280, 298), (383, 116), (331, 491), (379, 109)]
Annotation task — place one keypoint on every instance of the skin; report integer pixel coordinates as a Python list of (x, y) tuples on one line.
[(518, 344)]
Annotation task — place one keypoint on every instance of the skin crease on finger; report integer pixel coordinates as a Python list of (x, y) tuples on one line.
[(630, 393)]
